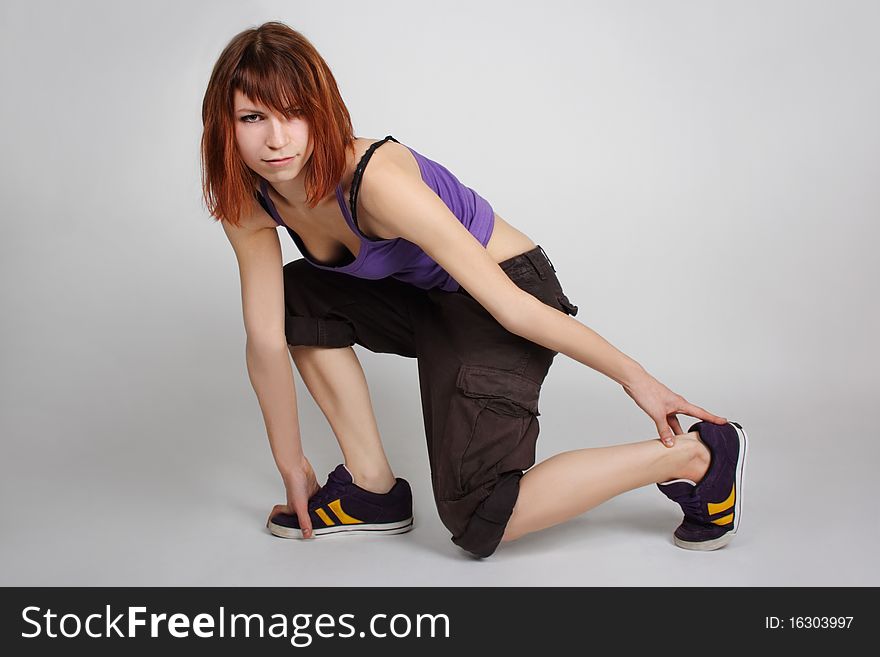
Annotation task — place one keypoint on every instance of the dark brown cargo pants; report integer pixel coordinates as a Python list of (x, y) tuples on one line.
[(479, 382)]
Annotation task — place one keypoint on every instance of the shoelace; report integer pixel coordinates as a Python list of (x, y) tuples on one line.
[(332, 489), (690, 504)]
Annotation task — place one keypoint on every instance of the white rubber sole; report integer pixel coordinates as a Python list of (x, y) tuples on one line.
[(379, 529), (724, 539), (714, 544)]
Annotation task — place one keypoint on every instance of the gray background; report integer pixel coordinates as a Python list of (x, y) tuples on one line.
[(702, 174)]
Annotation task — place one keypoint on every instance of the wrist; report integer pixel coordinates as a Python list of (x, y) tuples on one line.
[(295, 464), (631, 373)]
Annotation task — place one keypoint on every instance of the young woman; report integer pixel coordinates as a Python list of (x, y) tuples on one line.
[(401, 257)]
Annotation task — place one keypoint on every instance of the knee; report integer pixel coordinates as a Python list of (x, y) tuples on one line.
[(477, 520), (295, 267), (296, 277)]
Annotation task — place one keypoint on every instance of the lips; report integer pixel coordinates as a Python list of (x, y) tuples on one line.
[(281, 159)]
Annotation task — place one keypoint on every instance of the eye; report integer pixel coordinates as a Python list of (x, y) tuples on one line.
[(291, 112)]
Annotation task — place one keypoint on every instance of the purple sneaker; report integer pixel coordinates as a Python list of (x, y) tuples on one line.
[(341, 506), (713, 507)]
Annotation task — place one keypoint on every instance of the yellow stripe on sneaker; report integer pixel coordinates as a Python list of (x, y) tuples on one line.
[(725, 505), (344, 518), (323, 516), (726, 520)]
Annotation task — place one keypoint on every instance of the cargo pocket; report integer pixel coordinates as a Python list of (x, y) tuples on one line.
[(491, 428)]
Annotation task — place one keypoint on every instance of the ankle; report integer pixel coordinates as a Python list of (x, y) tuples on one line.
[(698, 463), (691, 458), (380, 481)]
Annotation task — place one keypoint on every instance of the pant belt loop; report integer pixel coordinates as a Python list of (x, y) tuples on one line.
[(548, 257)]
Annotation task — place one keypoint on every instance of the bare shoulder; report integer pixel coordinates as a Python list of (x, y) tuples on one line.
[(389, 155), (392, 153), (254, 217), (254, 222), (389, 162)]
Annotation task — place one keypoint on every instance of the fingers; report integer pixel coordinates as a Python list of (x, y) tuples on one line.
[(669, 431), (305, 522), (667, 436), (676, 427), (278, 508), (695, 411), (302, 514)]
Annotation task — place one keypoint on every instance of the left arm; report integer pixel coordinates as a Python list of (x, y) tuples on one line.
[(405, 206)]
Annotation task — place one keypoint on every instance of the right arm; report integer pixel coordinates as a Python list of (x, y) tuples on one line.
[(260, 265)]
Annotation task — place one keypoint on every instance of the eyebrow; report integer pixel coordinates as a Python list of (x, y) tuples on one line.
[(249, 109)]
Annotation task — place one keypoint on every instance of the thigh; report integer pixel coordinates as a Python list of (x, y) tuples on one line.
[(332, 309), (480, 390), (453, 329)]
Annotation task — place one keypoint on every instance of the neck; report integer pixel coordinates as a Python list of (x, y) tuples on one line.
[(291, 191)]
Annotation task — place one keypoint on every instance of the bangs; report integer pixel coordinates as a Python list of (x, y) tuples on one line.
[(271, 84)]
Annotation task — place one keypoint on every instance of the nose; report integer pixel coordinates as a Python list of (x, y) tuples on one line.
[(277, 137)]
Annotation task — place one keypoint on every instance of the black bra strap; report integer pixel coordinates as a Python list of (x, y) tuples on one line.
[(358, 172)]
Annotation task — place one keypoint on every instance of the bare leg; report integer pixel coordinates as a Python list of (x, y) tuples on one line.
[(593, 475), (336, 381)]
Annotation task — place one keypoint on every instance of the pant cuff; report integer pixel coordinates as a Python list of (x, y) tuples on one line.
[(486, 527), (318, 332)]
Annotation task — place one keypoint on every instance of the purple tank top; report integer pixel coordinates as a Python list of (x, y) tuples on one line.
[(400, 258)]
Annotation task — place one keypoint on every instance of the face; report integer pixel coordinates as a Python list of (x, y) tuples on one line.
[(263, 136)]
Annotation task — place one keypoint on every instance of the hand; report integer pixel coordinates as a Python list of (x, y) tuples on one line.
[(661, 405), (301, 484)]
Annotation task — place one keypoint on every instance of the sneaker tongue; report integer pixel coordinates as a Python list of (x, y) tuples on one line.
[(341, 474), (336, 482)]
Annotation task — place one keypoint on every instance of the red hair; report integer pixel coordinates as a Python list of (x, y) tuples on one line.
[(278, 67)]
